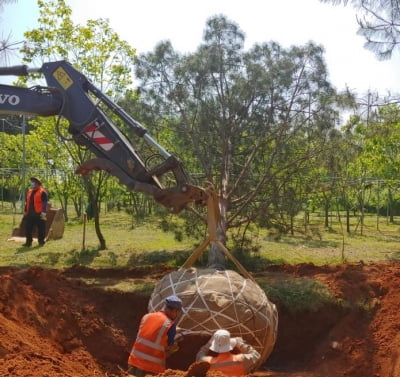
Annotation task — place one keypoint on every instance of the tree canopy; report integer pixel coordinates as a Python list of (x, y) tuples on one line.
[(379, 24), (262, 125), (247, 121)]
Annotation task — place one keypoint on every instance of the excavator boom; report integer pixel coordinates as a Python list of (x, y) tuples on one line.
[(71, 95)]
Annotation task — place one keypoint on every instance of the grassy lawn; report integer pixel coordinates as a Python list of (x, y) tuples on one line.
[(147, 244), (332, 247), (129, 245), (126, 245)]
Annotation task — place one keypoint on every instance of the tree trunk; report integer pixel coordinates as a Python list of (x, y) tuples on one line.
[(216, 257), (96, 218), (347, 220), (100, 237), (390, 202), (93, 201), (326, 207)]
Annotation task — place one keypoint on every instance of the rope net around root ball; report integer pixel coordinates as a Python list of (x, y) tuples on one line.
[(215, 300)]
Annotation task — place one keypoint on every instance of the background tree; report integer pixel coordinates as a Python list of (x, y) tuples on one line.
[(95, 50), (245, 121), (382, 154), (7, 45), (379, 24), (11, 158)]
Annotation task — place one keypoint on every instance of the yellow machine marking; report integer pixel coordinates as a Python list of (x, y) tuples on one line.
[(63, 78)]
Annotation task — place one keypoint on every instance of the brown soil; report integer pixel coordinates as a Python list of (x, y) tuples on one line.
[(53, 324)]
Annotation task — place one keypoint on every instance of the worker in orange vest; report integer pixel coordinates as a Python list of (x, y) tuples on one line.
[(155, 339), (231, 356), (35, 211)]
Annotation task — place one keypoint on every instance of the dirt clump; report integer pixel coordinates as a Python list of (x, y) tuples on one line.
[(52, 323)]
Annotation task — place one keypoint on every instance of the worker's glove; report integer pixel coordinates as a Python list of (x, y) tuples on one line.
[(172, 349), (239, 341), (43, 216), (238, 344)]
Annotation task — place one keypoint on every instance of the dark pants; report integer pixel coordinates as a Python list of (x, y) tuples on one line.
[(133, 371), (31, 222)]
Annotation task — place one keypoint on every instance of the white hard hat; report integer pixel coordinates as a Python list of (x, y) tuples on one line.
[(221, 341)]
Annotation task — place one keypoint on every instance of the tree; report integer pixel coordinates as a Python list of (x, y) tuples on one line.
[(379, 24), (2, 2), (246, 121), (381, 150), (7, 45), (98, 52)]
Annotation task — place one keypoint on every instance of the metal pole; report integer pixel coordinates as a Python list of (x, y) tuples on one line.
[(2, 175), (23, 163), (84, 231)]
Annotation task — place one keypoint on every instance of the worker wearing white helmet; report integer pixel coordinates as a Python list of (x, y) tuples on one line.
[(231, 356)]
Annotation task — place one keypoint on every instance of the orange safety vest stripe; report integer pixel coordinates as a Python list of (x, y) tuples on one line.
[(148, 351), (229, 364), (37, 200)]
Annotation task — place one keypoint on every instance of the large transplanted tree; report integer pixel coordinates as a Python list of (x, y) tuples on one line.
[(247, 121)]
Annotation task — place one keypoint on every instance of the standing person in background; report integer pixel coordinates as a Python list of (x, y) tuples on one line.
[(35, 212), (155, 340), (231, 356)]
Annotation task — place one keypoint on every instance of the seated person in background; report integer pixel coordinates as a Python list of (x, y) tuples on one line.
[(231, 356)]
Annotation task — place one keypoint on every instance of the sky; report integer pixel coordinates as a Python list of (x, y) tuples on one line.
[(145, 23)]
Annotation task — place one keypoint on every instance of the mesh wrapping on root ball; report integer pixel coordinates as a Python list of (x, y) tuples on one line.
[(215, 300)]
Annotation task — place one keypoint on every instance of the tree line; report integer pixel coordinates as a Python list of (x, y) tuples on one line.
[(264, 126)]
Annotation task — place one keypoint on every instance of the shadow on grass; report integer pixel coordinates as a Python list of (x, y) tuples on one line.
[(394, 257), (83, 257), (49, 258), (250, 261), (25, 249), (171, 258), (138, 286), (383, 237), (297, 294), (311, 243)]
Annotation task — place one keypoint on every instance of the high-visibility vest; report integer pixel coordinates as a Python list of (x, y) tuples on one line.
[(228, 363), (37, 200), (149, 349)]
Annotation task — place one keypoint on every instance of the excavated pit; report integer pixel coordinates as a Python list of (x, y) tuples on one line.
[(52, 323)]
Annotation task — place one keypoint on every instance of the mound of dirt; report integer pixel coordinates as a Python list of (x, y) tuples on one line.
[(54, 324)]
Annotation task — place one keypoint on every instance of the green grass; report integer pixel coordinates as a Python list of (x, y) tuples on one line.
[(298, 293), (139, 286), (333, 247), (146, 244), (126, 246)]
